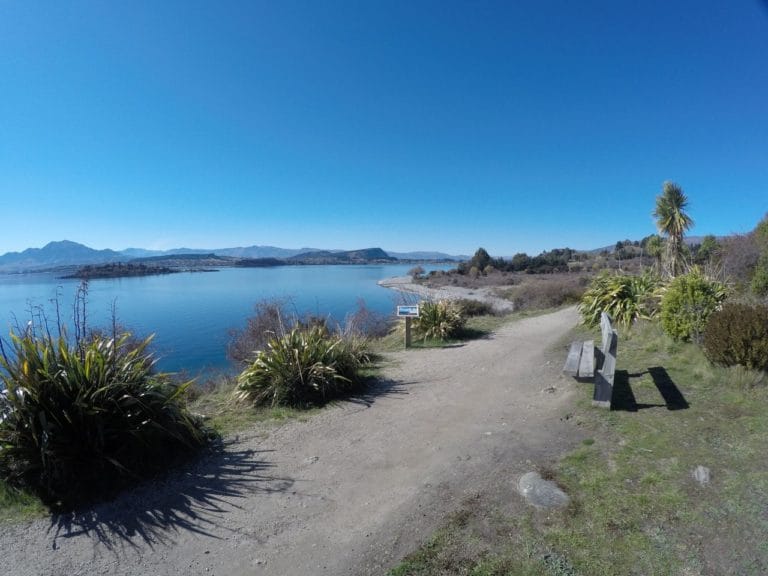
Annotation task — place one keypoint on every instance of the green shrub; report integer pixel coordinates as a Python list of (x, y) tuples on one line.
[(470, 308), (738, 334), (625, 298), (759, 282), (304, 367), (440, 319), (687, 302), (80, 421)]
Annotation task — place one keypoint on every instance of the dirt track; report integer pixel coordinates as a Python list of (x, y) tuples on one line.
[(349, 491)]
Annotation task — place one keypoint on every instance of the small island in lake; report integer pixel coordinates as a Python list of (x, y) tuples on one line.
[(119, 270)]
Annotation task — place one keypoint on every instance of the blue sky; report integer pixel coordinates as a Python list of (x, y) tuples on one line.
[(517, 126)]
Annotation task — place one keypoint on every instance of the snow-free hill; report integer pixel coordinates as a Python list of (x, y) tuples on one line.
[(348, 257), (55, 254), (66, 253)]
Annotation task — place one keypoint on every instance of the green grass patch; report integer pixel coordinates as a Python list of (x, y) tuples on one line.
[(16, 505), (475, 327), (636, 508), (227, 414)]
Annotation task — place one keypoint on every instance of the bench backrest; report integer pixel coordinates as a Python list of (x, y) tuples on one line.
[(607, 329), (604, 379)]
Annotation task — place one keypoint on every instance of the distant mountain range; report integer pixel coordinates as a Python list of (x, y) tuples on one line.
[(67, 253)]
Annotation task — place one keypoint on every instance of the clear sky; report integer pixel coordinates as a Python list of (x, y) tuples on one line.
[(520, 125)]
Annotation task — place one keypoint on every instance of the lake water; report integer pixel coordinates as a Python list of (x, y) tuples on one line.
[(191, 313)]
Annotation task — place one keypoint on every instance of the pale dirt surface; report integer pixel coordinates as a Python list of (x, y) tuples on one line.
[(351, 490), (406, 285)]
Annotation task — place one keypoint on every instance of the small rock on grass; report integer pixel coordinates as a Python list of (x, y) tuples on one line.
[(701, 474), (541, 493)]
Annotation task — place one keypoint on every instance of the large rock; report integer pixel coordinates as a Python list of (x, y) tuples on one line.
[(541, 493)]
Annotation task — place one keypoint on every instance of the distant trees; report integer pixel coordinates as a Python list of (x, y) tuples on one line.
[(547, 262), (479, 262), (416, 272), (672, 221), (759, 282), (654, 247), (707, 251)]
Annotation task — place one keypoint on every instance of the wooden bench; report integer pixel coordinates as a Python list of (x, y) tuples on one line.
[(583, 358)]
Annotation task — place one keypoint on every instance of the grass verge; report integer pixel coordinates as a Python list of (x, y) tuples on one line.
[(636, 508), (227, 415), (16, 506), (476, 327)]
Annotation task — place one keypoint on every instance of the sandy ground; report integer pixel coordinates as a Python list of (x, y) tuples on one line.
[(406, 285), (349, 491)]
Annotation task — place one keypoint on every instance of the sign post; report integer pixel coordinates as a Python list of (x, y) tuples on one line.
[(408, 312)]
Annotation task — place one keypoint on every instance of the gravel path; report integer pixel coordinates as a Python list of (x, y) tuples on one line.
[(348, 491)]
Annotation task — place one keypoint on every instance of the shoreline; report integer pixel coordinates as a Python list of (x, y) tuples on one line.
[(406, 285)]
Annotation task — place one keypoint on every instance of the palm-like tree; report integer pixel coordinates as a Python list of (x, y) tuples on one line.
[(672, 222)]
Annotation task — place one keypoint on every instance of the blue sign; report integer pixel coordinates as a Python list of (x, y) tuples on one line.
[(408, 311)]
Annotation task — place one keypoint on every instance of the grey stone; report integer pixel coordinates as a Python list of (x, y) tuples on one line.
[(701, 475), (541, 493)]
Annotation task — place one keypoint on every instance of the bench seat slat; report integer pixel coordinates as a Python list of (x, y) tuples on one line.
[(587, 362), (571, 367)]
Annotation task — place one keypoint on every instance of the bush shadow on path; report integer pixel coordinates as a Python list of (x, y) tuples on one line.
[(191, 499), (375, 388)]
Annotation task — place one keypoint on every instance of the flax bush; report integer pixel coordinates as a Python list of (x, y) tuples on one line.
[(440, 319), (303, 367), (79, 421), (625, 298)]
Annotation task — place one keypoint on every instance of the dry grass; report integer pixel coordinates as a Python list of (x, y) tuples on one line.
[(540, 292)]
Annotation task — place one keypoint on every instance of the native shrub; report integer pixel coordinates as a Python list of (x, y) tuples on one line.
[(439, 319), (759, 282), (470, 308), (269, 317), (738, 334), (79, 421), (303, 367), (625, 298), (687, 302)]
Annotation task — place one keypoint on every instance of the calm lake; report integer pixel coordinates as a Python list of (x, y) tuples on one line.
[(191, 313)]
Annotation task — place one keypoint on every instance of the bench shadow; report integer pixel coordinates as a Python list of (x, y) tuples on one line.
[(668, 389), (191, 499), (623, 398)]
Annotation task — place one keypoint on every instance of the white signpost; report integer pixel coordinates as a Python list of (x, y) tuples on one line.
[(408, 312)]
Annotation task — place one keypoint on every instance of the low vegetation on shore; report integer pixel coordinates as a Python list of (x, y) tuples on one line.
[(83, 417)]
